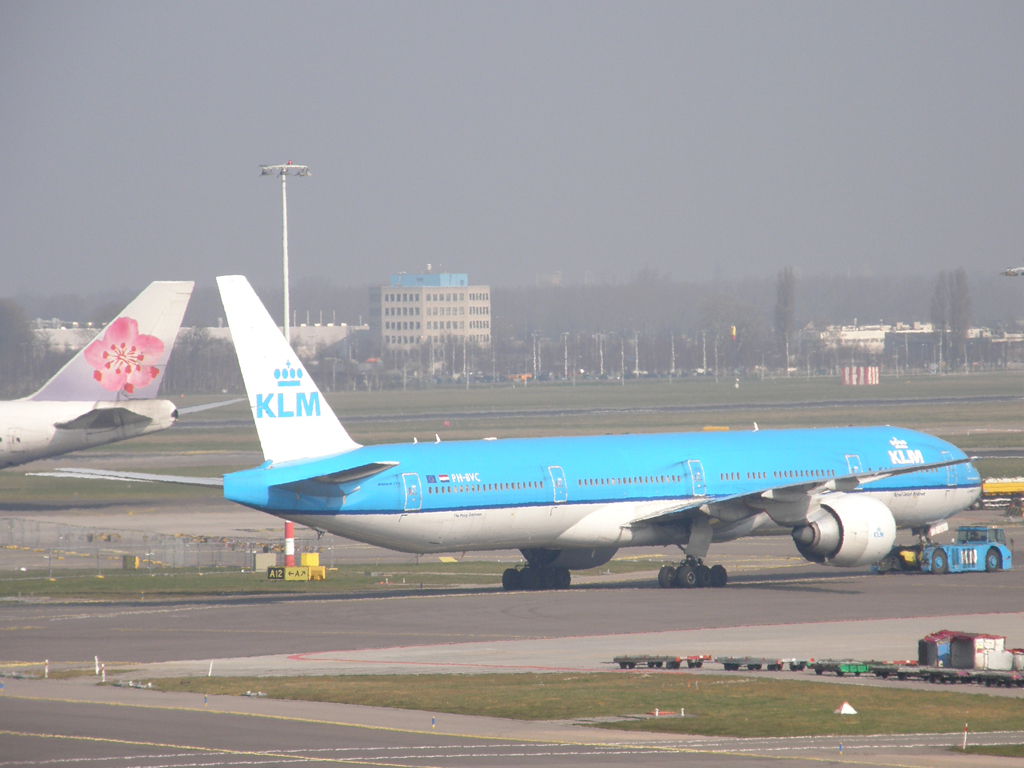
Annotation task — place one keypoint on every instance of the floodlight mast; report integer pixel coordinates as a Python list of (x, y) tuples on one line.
[(284, 171)]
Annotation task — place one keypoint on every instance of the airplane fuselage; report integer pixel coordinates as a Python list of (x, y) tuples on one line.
[(37, 429), (576, 493)]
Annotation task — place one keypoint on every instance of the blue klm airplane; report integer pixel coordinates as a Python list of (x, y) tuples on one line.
[(571, 502)]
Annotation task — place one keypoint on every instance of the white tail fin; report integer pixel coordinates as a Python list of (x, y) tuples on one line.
[(292, 419), (127, 359)]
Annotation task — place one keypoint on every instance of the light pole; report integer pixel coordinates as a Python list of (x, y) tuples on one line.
[(284, 171)]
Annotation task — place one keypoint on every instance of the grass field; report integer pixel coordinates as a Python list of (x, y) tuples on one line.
[(715, 705), (1003, 750)]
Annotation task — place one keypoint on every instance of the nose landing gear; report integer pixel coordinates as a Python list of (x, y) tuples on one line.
[(692, 573)]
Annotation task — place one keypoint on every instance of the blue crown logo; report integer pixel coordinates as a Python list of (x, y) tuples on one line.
[(288, 376)]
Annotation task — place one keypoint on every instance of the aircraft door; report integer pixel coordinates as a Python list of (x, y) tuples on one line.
[(561, 491), (14, 444), (950, 471), (697, 476), (853, 462), (413, 498)]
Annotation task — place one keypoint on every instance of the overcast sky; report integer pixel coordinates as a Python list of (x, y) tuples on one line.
[(507, 138)]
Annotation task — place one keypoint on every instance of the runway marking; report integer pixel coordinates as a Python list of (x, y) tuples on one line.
[(208, 750), (378, 761), (630, 748)]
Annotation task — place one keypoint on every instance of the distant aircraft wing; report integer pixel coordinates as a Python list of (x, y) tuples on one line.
[(136, 477), (207, 406), (785, 504)]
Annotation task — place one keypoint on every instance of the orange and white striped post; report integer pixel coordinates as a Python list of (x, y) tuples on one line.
[(289, 543)]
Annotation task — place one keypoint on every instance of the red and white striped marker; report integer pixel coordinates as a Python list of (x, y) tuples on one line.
[(289, 543)]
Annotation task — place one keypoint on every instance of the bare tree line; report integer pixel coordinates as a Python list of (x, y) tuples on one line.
[(648, 326)]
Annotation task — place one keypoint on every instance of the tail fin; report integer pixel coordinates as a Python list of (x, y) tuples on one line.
[(127, 359), (292, 419)]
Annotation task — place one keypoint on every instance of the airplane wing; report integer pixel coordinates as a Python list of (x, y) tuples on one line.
[(137, 477), (785, 504), (313, 485)]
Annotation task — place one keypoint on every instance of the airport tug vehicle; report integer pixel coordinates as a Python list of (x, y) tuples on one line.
[(977, 548)]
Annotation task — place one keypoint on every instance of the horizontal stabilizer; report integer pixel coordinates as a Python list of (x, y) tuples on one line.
[(105, 418), (138, 477), (328, 485), (127, 358), (356, 473)]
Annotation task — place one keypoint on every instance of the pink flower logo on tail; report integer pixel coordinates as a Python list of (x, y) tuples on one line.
[(120, 356)]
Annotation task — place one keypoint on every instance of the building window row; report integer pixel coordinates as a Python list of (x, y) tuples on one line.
[(434, 311), (403, 326), (479, 310), (446, 297), (404, 310), (402, 339), (396, 297), (440, 325), (479, 297), (479, 323)]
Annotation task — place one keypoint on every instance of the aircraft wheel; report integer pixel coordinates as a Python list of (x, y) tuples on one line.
[(511, 580), (993, 561), (686, 576), (548, 579), (703, 576), (562, 578), (531, 578), (939, 562), (666, 577), (719, 576)]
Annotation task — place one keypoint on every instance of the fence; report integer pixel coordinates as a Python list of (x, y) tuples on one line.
[(37, 545)]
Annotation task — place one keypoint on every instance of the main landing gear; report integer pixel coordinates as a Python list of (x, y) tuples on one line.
[(692, 573), (535, 577)]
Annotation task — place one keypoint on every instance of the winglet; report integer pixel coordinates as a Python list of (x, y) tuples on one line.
[(126, 360), (292, 419)]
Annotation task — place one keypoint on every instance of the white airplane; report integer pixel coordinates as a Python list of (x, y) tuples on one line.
[(571, 502), (106, 392)]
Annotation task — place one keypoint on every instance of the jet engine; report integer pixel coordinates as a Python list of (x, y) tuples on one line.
[(847, 531)]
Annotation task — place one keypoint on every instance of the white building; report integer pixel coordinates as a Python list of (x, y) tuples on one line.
[(433, 307)]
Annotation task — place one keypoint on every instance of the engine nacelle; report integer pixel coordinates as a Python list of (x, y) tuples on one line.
[(847, 531)]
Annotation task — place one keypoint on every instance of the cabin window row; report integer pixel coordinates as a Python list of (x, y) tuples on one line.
[(786, 474), (484, 487), (798, 474), (644, 480)]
